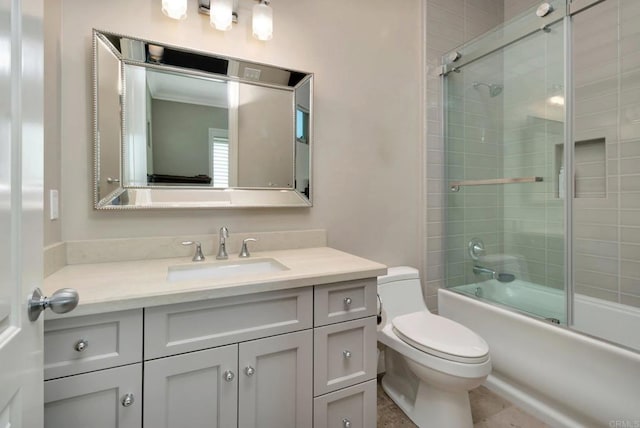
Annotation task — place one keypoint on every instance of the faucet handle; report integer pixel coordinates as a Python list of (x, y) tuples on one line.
[(198, 256), (244, 252)]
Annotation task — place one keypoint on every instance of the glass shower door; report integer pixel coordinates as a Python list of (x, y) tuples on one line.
[(504, 148), (606, 81)]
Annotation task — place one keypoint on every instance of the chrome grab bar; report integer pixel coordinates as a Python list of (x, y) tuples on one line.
[(454, 186)]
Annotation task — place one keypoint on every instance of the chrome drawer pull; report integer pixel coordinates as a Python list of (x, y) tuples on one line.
[(127, 400), (249, 370), (346, 354), (81, 345), (346, 423), (228, 375), (348, 301)]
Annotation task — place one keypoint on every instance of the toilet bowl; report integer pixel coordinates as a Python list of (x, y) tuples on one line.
[(431, 362)]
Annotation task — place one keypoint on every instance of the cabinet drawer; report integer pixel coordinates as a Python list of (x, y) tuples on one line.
[(179, 328), (353, 407), (82, 344), (344, 301), (95, 399), (344, 354)]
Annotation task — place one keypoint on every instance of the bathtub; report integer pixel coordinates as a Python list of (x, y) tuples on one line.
[(565, 378)]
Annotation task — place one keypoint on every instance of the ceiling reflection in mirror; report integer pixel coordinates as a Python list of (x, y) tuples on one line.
[(176, 128)]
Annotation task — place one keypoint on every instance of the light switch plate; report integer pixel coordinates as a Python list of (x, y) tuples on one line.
[(53, 205)]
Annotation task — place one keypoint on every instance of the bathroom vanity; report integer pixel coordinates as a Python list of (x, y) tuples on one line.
[(292, 348)]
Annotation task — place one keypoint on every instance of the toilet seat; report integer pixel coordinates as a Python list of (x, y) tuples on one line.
[(441, 337)]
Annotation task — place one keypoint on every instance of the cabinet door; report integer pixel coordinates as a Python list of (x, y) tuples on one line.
[(104, 399), (198, 389), (275, 382)]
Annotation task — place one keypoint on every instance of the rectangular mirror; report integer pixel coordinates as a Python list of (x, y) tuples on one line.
[(176, 128)]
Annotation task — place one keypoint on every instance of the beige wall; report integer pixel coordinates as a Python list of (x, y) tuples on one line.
[(181, 136), (265, 137), (366, 56), (52, 115)]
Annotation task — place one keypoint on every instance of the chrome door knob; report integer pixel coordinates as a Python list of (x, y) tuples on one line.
[(228, 376), (81, 345), (127, 400), (348, 301), (249, 370), (346, 423), (60, 302), (346, 354)]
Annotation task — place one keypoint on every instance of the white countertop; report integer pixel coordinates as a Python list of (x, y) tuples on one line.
[(115, 286)]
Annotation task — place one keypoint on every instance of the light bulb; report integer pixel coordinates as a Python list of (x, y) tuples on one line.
[(263, 21), (221, 14), (176, 9), (556, 100)]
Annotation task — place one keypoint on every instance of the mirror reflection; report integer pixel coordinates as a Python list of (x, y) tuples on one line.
[(194, 121)]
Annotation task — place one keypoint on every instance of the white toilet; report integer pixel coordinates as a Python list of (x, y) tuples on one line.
[(431, 362)]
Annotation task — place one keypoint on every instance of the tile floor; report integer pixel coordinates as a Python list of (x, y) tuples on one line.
[(487, 410)]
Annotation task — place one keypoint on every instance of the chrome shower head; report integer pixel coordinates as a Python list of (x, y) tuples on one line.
[(495, 89)]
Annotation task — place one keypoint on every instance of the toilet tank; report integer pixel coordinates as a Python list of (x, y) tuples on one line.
[(400, 291)]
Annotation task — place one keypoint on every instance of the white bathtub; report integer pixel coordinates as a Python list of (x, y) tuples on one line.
[(564, 378)]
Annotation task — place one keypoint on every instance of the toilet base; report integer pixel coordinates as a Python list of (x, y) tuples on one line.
[(435, 407), (436, 404)]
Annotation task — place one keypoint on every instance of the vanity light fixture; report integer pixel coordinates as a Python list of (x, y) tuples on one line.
[(263, 20), (175, 9), (222, 13)]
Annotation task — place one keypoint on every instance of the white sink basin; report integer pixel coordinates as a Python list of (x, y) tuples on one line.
[(227, 269)]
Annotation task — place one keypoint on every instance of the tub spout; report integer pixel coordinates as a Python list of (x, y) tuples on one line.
[(479, 270)]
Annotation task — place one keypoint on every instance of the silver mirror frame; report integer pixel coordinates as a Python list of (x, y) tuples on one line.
[(123, 197)]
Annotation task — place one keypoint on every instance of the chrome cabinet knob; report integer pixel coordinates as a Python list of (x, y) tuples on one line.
[(127, 400), (60, 302), (346, 423), (249, 370), (112, 180), (81, 345), (228, 376), (348, 301), (346, 354)]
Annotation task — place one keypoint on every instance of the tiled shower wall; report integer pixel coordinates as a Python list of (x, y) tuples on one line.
[(607, 133), (449, 23)]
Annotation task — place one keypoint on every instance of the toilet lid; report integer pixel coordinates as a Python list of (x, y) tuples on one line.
[(441, 337)]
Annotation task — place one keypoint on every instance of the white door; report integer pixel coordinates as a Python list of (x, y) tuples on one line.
[(21, 171)]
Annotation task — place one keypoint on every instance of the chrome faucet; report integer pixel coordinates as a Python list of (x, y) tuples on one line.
[(484, 270), (222, 248), (244, 252), (197, 256)]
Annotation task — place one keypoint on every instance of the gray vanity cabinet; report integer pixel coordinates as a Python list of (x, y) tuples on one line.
[(294, 358)]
